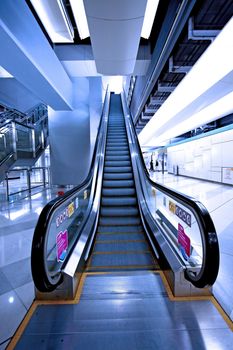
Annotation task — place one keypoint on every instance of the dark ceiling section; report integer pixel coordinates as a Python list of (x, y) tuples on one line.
[(207, 18), (76, 38), (158, 21)]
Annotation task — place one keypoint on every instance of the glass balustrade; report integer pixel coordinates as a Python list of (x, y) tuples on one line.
[(64, 229), (23, 134), (178, 224)]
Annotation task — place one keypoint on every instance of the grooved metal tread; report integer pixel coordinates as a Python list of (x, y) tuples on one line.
[(120, 241)]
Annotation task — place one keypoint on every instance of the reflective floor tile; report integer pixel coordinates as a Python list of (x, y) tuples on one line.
[(18, 273), (12, 312), (26, 294)]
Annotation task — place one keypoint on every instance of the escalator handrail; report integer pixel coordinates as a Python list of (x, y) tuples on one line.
[(38, 264), (210, 265)]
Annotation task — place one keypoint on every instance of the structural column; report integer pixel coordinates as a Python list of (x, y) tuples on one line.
[(69, 133)]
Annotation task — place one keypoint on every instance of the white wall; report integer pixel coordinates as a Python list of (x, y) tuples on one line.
[(95, 107), (209, 158)]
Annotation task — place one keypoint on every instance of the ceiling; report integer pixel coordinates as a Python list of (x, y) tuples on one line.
[(206, 20), (115, 47), (114, 28)]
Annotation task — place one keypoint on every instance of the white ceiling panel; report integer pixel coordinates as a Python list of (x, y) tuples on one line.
[(78, 60), (85, 68), (115, 9), (115, 29)]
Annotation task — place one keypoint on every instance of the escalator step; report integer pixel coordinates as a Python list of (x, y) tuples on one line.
[(120, 141), (117, 157), (117, 128), (113, 169), (131, 260), (116, 134), (119, 212), (118, 183), (101, 237), (116, 137), (118, 176), (119, 221), (123, 201), (113, 192), (117, 152), (117, 163), (105, 230), (121, 246), (117, 148), (117, 144)]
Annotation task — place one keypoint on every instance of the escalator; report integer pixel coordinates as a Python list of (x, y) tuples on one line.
[(118, 219), (120, 241), (104, 244)]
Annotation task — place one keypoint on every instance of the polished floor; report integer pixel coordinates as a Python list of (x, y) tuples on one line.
[(218, 199), (17, 224)]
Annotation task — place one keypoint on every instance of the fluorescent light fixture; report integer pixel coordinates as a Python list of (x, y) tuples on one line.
[(151, 8), (54, 17), (80, 18), (212, 72), (218, 109), (4, 73)]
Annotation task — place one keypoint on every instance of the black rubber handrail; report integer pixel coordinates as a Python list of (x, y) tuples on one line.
[(210, 265), (38, 264)]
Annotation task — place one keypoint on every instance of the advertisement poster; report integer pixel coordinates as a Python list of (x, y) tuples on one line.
[(62, 217), (181, 213), (62, 245), (184, 241), (70, 209), (227, 176)]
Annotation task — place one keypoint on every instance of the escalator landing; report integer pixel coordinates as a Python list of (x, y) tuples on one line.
[(128, 310)]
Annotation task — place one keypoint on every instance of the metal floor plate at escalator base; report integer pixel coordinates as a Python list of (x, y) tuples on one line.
[(129, 310)]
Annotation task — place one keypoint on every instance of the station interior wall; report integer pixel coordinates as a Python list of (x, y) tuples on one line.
[(209, 157)]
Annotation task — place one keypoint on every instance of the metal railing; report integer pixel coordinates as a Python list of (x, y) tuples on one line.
[(30, 117), (27, 180), (23, 134)]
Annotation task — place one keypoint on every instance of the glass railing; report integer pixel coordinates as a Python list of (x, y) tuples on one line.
[(64, 223), (23, 138), (6, 144), (179, 223), (31, 116), (184, 223), (23, 134), (24, 182), (64, 229), (36, 113)]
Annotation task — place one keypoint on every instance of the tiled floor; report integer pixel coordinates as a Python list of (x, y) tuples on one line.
[(218, 199), (17, 223), (18, 219)]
